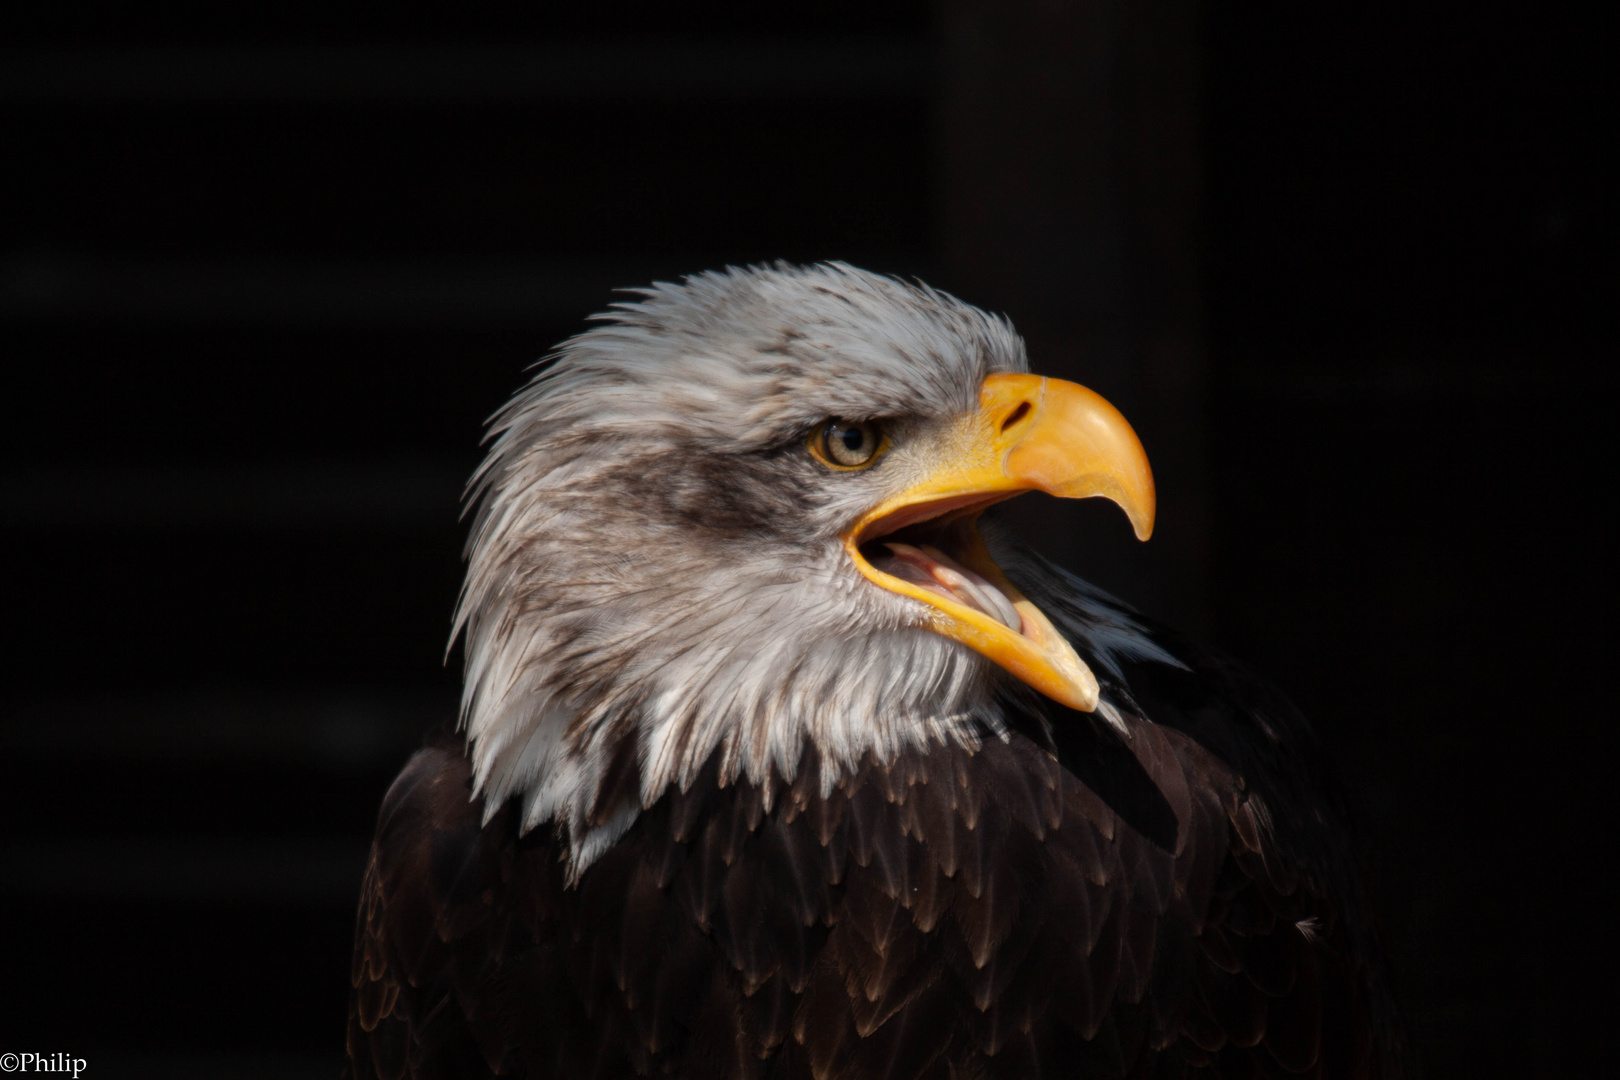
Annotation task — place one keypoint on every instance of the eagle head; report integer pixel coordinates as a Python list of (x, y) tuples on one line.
[(735, 521)]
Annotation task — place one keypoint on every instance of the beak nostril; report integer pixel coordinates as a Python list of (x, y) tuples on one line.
[(1015, 416)]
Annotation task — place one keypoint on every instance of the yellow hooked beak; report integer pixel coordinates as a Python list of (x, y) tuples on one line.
[(1029, 433)]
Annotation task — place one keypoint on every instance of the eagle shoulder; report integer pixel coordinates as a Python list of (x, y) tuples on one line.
[(981, 912)]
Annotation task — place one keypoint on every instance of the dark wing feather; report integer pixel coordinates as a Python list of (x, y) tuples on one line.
[(1062, 902), (1291, 853), (428, 887)]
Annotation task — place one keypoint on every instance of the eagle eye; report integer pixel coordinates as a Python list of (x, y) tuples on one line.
[(847, 444)]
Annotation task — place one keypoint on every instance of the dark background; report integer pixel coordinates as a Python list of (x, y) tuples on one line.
[(1351, 269)]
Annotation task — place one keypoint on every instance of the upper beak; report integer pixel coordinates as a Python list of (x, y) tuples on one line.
[(1029, 433)]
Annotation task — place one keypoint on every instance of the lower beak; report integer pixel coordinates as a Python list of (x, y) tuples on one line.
[(1028, 434)]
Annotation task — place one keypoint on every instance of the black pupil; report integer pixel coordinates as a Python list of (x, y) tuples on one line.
[(853, 438)]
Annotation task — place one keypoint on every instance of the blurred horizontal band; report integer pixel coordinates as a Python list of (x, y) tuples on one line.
[(553, 71), (332, 730), (484, 295), (396, 293), (340, 495), (234, 869)]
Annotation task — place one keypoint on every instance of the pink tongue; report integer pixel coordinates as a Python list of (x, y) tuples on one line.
[(937, 572)]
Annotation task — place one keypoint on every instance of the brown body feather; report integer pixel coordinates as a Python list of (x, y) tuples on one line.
[(956, 913)]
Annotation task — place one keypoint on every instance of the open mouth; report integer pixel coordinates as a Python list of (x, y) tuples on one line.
[(931, 551), (945, 556), (1028, 434), (937, 572)]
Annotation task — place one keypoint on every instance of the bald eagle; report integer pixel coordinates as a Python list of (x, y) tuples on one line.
[(773, 762)]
